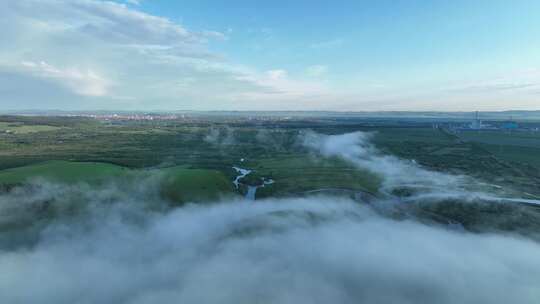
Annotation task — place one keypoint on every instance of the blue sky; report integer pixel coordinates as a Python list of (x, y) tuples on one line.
[(271, 55)]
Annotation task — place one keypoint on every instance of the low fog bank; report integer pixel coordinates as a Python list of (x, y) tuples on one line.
[(401, 176), (121, 242), (220, 136), (301, 250), (410, 189), (27, 210)]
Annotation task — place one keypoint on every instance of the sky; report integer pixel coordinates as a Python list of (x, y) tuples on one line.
[(348, 55)]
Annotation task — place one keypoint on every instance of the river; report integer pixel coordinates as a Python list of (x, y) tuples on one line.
[(252, 190)]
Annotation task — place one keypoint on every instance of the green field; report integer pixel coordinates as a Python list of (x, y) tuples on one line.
[(192, 185), (517, 147), (293, 175), (61, 171), (19, 128), (272, 151), (178, 184)]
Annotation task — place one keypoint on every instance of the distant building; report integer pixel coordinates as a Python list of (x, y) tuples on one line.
[(477, 123)]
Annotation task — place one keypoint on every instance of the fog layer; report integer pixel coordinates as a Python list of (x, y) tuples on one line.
[(309, 250), (121, 243)]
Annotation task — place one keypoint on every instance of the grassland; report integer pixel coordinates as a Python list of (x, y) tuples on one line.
[(19, 128), (273, 153), (517, 147), (293, 175), (512, 166), (194, 185), (271, 150), (178, 184), (61, 171)]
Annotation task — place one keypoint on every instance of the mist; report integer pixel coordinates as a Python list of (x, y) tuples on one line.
[(123, 249), (220, 136), (121, 242), (395, 173)]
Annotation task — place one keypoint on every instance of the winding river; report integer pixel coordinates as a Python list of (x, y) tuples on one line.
[(252, 190)]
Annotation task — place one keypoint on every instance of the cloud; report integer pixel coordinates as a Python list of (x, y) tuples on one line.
[(514, 84), (122, 242), (114, 53), (402, 178), (117, 23), (357, 149), (88, 54), (496, 87), (294, 250), (283, 91), (220, 137), (82, 82)]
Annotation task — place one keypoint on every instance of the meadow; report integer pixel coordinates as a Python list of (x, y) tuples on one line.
[(519, 147), (75, 149), (177, 184)]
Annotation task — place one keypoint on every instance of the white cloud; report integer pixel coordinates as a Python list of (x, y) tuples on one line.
[(104, 50), (281, 91), (111, 53), (106, 245), (514, 82), (82, 82)]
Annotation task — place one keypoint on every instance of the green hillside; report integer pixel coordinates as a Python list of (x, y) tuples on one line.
[(179, 184)]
